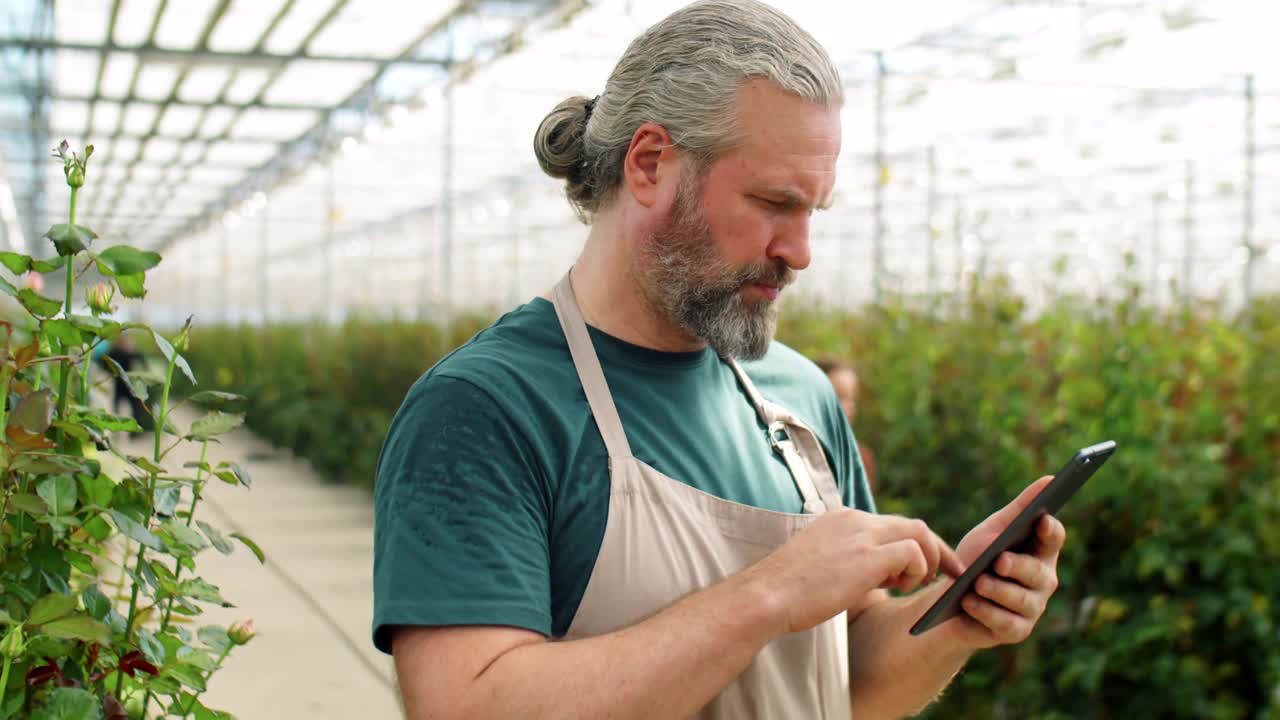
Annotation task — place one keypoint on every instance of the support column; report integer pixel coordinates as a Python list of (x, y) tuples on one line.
[(877, 265), (1188, 232), (1250, 155)]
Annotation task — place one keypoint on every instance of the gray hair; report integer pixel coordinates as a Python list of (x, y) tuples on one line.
[(683, 74)]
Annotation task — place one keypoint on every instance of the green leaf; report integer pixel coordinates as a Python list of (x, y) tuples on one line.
[(63, 331), (51, 607), (238, 472), (104, 420), (215, 636), (152, 648), (59, 493), (132, 286), (95, 603), (146, 464), (167, 501), (30, 504), (132, 528), (125, 260), (137, 387), (197, 657), (36, 464), (34, 412), (37, 304), (72, 429), (81, 562), (204, 713), (7, 288), (219, 540), (69, 704), (215, 398), (97, 490), (171, 355), (79, 627), (48, 266), (184, 535), (17, 264), (202, 590), (70, 239), (97, 528), (187, 675), (251, 545), (105, 329), (214, 424)]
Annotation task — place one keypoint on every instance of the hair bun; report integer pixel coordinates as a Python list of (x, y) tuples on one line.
[(559, 143)]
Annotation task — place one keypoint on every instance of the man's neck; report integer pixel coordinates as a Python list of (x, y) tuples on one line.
[(610, 296)]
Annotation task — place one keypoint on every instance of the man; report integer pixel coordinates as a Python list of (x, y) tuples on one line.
[(844, 380), (594, 510)]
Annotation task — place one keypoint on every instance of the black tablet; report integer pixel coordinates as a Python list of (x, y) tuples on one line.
[(1054, 496)]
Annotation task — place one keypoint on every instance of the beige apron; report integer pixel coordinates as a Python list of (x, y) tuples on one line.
[(665, 539)]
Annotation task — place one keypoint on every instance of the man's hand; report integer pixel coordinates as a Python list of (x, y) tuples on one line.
[(1005, 609), (834, 563)]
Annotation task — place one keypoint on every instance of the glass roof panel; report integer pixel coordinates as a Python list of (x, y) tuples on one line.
[(82, 21), (74, 72), (216, 121), (247, 84), (134, 21), (376, 30), (155, 82), (191, 151), (204, 83), (243, 24), (247, 154), (317, 82), (180, 120), (294, 28), (69, 119), (117, 74), (275, 124), (106, 118), (182, 24), (138, 118)]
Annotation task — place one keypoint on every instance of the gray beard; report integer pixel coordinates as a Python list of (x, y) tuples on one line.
[(688, 283)]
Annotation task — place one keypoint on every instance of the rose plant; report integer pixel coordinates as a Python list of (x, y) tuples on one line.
[(99, 594)]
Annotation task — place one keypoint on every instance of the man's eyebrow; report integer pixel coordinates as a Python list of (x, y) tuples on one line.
[(794, 198)]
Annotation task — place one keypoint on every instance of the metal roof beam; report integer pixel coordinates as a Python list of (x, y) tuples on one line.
[(152, 53), (260, 104)]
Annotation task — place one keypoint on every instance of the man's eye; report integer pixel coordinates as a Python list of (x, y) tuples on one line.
[(775, 204)]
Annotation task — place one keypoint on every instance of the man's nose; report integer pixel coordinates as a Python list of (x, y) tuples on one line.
[(791, 242)]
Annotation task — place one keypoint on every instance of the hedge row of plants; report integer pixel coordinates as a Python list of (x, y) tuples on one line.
[(1170, 599)]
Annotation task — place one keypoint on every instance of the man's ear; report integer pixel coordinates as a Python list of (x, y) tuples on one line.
[(650, 163)]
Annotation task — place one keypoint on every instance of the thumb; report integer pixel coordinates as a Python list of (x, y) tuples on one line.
[(1006, 514)]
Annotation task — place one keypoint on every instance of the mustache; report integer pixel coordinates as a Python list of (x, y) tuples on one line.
[(776, 274)]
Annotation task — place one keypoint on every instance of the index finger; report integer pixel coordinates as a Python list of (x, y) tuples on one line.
[(949, 562)]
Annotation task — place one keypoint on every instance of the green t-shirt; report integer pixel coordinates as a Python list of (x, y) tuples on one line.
[(493, 483)]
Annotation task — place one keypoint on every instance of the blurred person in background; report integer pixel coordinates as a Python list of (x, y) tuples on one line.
[(623, 499), (844, 381)]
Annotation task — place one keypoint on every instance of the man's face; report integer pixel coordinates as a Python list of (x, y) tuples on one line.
[(736, 234)]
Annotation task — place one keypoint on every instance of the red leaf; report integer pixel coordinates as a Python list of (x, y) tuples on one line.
[(134, 661), (112, 709), (44, 673), (93, 656)]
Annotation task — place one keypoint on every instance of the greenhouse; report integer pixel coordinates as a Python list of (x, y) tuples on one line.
[(1053, 223)]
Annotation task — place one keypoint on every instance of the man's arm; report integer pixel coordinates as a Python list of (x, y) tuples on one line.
[(675, 662), (667, 666)]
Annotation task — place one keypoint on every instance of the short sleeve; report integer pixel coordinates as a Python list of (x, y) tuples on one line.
[(460, 516), (851, 476)]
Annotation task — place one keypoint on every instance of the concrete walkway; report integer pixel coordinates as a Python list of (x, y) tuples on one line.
[(311, 602)]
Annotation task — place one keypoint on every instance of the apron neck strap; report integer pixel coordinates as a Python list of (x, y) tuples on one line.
[(590, 374)]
